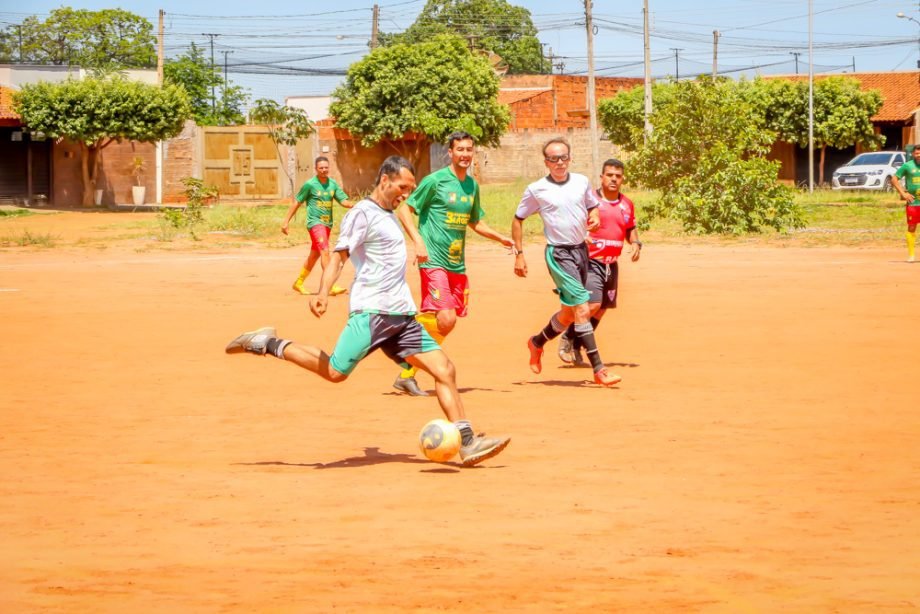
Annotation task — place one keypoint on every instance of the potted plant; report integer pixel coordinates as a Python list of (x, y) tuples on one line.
[(138, 190)]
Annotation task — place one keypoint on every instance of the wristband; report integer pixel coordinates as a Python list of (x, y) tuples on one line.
[(515, 251)]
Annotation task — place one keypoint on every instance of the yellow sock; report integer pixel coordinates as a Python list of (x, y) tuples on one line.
[(407, 373), (911, 242), (303, 275)]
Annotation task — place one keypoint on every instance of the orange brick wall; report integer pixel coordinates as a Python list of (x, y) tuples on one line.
[(114, 177), (179, 161)]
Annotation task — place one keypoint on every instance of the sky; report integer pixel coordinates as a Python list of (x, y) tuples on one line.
[(278, 49)]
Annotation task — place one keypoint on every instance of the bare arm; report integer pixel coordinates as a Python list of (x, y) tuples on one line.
[(290, 214), (320, 302), (405, 218), (594, 219), (896, 184), (517, 237), (483, 229), (633, 238)]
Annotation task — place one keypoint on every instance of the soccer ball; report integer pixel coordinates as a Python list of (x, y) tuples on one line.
[(439, 440)]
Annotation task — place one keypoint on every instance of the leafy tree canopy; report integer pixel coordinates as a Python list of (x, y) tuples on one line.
[(705, 154), (432, 88), (194, 72), (491, 25), (91, 39), (97, 112)]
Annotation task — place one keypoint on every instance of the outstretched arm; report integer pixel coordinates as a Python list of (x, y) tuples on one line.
[(483, 229)]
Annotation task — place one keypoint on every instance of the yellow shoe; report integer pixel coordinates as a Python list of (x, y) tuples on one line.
[(298, 287), (336, 290)]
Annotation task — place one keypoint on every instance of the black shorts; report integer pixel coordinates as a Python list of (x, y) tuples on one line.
[(602, 283)]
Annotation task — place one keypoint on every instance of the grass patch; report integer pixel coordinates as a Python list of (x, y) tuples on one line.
[(28, 239), (15, 212)]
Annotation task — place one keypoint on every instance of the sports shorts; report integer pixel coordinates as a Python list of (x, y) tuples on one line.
[(398, 335), (442, 289), (319, 235), (913, 214), (602, 283), (568, 266)]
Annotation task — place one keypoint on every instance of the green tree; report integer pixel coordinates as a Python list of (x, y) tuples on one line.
[(194, 72), (286, 125), (706, 155), (842, 113), (90, 39), (491, 25), (431, 88), (97, 112)]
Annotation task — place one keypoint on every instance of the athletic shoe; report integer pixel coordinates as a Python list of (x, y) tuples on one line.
[(566, 353), (409, 386), (535, 355), (253, 341), (298, 288), (482, 448), (910, 258), (605, 378), (336, 290)]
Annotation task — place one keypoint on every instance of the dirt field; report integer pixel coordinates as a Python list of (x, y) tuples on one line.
[(761, 453)]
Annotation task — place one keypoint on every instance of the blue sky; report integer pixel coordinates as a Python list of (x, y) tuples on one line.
[(766, 36)]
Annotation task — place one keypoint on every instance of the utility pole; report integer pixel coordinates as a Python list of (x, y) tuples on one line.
[(648, 69), (811, 105), (160, 49), (19, 29), (226, 52), (375, 24), (213, 97), (715, 53), (592, 103), (854, 63), (676, 62), (796, 54)]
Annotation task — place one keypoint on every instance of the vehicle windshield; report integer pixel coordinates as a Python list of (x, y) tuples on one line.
[(871, 158)]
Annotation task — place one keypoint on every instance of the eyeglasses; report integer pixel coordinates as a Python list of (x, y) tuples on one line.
[(557, 159)]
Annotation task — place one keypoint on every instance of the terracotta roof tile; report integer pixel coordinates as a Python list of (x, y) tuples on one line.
[(900, 91)]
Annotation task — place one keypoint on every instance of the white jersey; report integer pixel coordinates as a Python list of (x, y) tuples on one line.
[(562, 206), (375, 242)]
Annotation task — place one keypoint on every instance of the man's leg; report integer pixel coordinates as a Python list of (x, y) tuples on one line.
[(585, 334), (911, 241), (474, 448), (265, 341), (438, 325), (570, 346), (555, 327), (308, 265)]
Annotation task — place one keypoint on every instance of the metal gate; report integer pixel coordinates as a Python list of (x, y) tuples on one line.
[(242, 161)]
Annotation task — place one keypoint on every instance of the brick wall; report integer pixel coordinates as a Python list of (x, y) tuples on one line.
[(115, 176), (181, 158)]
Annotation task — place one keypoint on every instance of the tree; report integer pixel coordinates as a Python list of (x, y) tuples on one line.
[(705, 154), (431, 88), (491, 25), (842, 113), (194, 72), (286, 125), (97, 112), (91, 39)]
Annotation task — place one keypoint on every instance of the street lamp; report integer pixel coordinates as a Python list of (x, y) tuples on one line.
[(903, 16)]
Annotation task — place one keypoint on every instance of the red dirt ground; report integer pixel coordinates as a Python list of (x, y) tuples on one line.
[(761, 453)]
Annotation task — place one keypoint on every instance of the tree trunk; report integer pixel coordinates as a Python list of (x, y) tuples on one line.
[(821, 166)]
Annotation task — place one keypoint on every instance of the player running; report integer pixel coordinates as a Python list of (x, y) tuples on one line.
[(605, 244), (446, 203), (382, 312), (910, 172), (317, 193), (569, 209)]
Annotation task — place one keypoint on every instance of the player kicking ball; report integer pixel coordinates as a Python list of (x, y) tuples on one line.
[(381, 309)]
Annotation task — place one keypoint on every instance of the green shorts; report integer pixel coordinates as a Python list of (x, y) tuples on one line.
[(568, 266), (398, 335)]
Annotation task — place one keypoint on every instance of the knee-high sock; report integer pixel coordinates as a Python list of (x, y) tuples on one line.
[(429, 321), (550, 331), (585, 333), (576, 340), (911, 242)]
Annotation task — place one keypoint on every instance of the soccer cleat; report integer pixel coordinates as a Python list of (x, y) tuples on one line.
[(910, 258), (566, 353), (336, 290), (409, 386), (254, 341), (605, 378), (298, 287), (535, 355), (482, 448)]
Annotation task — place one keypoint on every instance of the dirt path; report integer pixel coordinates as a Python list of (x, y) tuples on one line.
[(761, 453)]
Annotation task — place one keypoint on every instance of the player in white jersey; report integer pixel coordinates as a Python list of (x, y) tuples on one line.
[(382, 311), (568, 207)]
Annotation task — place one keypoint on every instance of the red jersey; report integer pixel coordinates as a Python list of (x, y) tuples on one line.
[(618, 217)]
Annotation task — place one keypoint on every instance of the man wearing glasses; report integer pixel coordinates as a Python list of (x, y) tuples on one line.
[(568, 207)]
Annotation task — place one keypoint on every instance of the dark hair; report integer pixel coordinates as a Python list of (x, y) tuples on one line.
[(392, 165), (459, 135), (320, 159), (614, 163), (557, 140)]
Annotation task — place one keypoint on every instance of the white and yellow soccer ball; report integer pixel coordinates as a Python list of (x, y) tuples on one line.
[(439, 440)]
